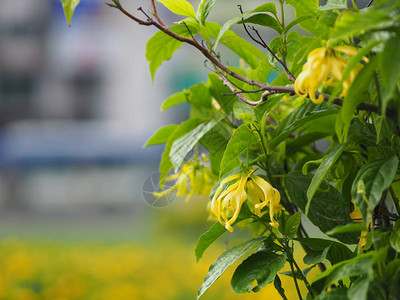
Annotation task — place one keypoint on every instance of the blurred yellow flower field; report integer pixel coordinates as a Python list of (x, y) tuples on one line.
[(57, 270), (162, 265)]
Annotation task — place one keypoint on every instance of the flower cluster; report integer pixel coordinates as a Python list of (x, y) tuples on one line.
[(194, 178), (325, 65), (227, 202)]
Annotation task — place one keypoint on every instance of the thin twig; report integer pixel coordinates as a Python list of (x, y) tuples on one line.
[(263, 44), (155, 13), (244, 92), (228, 84), (268, 88)]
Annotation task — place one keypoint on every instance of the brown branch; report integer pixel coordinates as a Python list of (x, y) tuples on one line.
[(155, 13), (228, 84), (263, 44), (269, 90)]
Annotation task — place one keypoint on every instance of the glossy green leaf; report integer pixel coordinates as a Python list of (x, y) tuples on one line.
[(205, 7), (292, 224), (175, 99), (376, 176), (305, 8), (390, 66), (337, 252), (261, 110), (247, 51), (353, 98), (266, 7), (316, 257), (349, 227), (295, 22), (207, 238), (395, 237), (263, 20), (185, 127), (335, 294), (161, 135), (179, 7), (351, 23), (326, 206), (300, 116), (227, 25), (161, 46), (382, 127), (225, 260), (334, 4), (360, 265), (261, 266), (242, 138), (260, 74), (326, 164), (69, 7), (279, 288), (359, 291), (183, 145)]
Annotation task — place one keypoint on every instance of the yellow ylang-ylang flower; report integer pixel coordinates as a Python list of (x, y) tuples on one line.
[(227, 203), (194, 178), (325, 65)]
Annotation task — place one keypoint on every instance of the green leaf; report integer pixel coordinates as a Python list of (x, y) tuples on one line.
[(204, 10), (182, 146), (69, 9), (240, 108), (334, 4), (390, 66), (350, 227), (266, 7), (300, 116), (336, 294), (241, 139), (327, 163), (316, 257), (279, 288), (185, 127), (351, 23), (263, 20), (207, 238), (395, 237), (353, 98), (161, 135), (227, 25), (161, 46), (292, 224), (261, 110), (250, 53), (325, 208), (360, 265), (261, 266), (295, 22), (305, 8), (359, 291), (337, 251), (175, 99), (376, 176), (179, 7), (382, 127), (225, 260)]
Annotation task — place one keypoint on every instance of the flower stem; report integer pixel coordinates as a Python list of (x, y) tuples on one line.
[(295, 280)]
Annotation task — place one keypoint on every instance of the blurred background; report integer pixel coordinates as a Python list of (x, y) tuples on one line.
[(76, 106)]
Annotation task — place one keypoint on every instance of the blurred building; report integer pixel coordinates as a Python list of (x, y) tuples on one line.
[(76, 105)]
